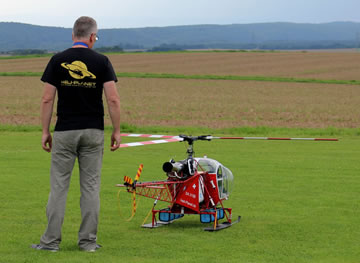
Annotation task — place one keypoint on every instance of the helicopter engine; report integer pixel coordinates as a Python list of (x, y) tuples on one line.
[(181, 169)]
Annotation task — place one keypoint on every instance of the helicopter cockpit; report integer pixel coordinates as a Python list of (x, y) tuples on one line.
[(224, 176)]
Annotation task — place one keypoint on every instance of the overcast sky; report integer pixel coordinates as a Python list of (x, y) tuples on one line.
[(147, 13)]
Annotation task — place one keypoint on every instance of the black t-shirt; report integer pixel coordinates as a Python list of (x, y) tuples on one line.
[(78, 75)]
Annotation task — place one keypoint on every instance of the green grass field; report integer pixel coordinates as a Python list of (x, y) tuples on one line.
[(299, 202), (204, 77)]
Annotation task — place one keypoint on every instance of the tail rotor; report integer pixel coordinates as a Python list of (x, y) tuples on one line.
[(131, 184)]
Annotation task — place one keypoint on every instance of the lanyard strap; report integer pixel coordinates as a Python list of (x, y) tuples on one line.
[(81, 43)]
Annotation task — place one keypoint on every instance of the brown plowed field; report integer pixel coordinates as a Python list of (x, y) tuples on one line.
[(321, 65), (216, 104), (283, 64)]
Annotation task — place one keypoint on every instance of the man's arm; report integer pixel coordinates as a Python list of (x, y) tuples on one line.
[(113, 101), (47, 103)]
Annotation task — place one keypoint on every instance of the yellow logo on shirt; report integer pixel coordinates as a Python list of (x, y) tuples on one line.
[(78, 70)]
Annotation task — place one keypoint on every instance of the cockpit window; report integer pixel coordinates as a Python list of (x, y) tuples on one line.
[(224, 176), (219, 173), (219, 176), (206, 165), (224, 180)]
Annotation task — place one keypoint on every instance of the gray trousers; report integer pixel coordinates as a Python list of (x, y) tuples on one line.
[(88, 146)]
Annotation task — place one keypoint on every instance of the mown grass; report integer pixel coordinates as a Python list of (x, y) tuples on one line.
[(152, 52), (21, 74), (235, 77), (298, 202), (240, 131), (203, 77), (26, 56)]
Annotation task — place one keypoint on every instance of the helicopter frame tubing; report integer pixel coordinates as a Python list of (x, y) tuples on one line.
[(168, 191), (179, 212)]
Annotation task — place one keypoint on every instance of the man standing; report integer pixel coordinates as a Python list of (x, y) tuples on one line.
[(79, 75)]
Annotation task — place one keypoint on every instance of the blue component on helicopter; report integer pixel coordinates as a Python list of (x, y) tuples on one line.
[(165, 216), (208, 218)]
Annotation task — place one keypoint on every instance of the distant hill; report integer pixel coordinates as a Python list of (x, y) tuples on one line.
[(236, 36)]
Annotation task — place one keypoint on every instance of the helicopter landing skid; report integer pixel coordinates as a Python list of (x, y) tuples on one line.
[(222, 226), (211, 229), (157, 224)]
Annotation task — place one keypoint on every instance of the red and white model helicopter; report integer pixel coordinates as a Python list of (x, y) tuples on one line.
[(193, 185)]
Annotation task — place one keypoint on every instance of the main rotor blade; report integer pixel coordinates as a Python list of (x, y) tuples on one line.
[(132, 144), (275, 138), (149, 136), (171, 138)]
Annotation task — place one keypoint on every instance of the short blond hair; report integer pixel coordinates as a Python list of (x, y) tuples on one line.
[(84, 26)]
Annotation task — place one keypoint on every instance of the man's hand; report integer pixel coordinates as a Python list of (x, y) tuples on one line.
[(113, 101), (46, 142), (47, 103), (115, 141)]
